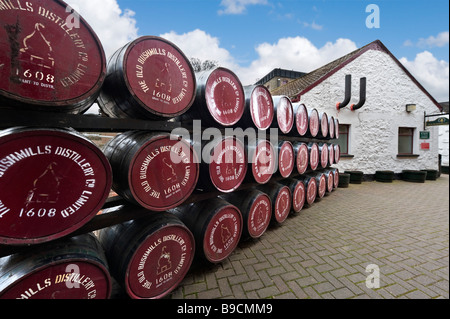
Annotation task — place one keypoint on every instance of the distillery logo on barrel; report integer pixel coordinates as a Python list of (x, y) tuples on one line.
[(261, 108), (286, 159), (336, 178), (330, 181), (283, 204), (160, 263), (331, 127), (314, 156), (302, 158), (225, 97), (164, 173), (322, 188), (285, 116), (259, 216), (324, 155), (299, 197), (76, 280), (314, 122), (45, 56), (222, 234), (302, 120), (228, 165), (160, 76), (337, 153), (263, 163), (311, 191), (51, 182), (324, 126)]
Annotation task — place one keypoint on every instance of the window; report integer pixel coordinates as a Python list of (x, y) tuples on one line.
[(343, 141), (405, 140)]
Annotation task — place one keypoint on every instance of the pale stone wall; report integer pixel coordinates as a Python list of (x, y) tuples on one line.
[(374, 127)]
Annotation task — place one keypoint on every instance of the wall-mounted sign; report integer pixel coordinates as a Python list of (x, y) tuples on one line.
[(424, 146), (424, 135), (439, 121)]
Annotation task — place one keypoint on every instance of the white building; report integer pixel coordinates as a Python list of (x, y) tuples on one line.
[(382, 134), (444, 139)]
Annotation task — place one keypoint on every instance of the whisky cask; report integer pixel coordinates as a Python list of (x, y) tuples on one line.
[(335, 177), (330, 154), (336, 128), (149, 256), (284, 114), (298, 191), (261, 161), (331, 128), (311, 189), (155, 170), (302, 159), (314, 156), (256, 210), (281, 198), (324, 125), (51, 59), (286, 158), (323, 155), (301, 119), (224, 165), (259, 111), (219, 98), (337, 153), (329, 175), (321, 182), (149, 78), (69, 268), (216, 226), (314, 123), (52, 182)]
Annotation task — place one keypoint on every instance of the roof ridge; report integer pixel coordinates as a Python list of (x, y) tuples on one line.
[(311, 77), (296, 88)]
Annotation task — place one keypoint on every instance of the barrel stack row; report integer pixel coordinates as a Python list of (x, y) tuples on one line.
[(54, 181)]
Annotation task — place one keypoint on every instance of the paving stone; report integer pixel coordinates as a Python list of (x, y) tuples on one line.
[(343, 293), (417, 294), (322, 253), (252, 285), (324, 287), (268, 292)]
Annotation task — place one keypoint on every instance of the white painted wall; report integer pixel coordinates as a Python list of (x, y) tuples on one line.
[(374, 127), (444, 144)]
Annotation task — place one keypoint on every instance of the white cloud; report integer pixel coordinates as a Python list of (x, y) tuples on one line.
[(313, 25), (238, 6), (114, 27), (297, 53), (440, 40), (201, 45), (431, 73)]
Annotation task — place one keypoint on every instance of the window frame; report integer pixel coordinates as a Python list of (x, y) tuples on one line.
[(411, 134), (347, 140)]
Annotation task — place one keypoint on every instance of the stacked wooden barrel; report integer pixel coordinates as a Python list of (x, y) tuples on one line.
[(189, 198), (53, 181)]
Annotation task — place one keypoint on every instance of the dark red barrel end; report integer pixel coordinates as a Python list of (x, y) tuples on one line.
[(52, 182), (48, 64), (149, 78)]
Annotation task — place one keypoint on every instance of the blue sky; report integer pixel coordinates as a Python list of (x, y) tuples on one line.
[(320, 21), (254, 36)]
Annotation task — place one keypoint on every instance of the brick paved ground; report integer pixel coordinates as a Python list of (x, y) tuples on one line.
[(402, 227)]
